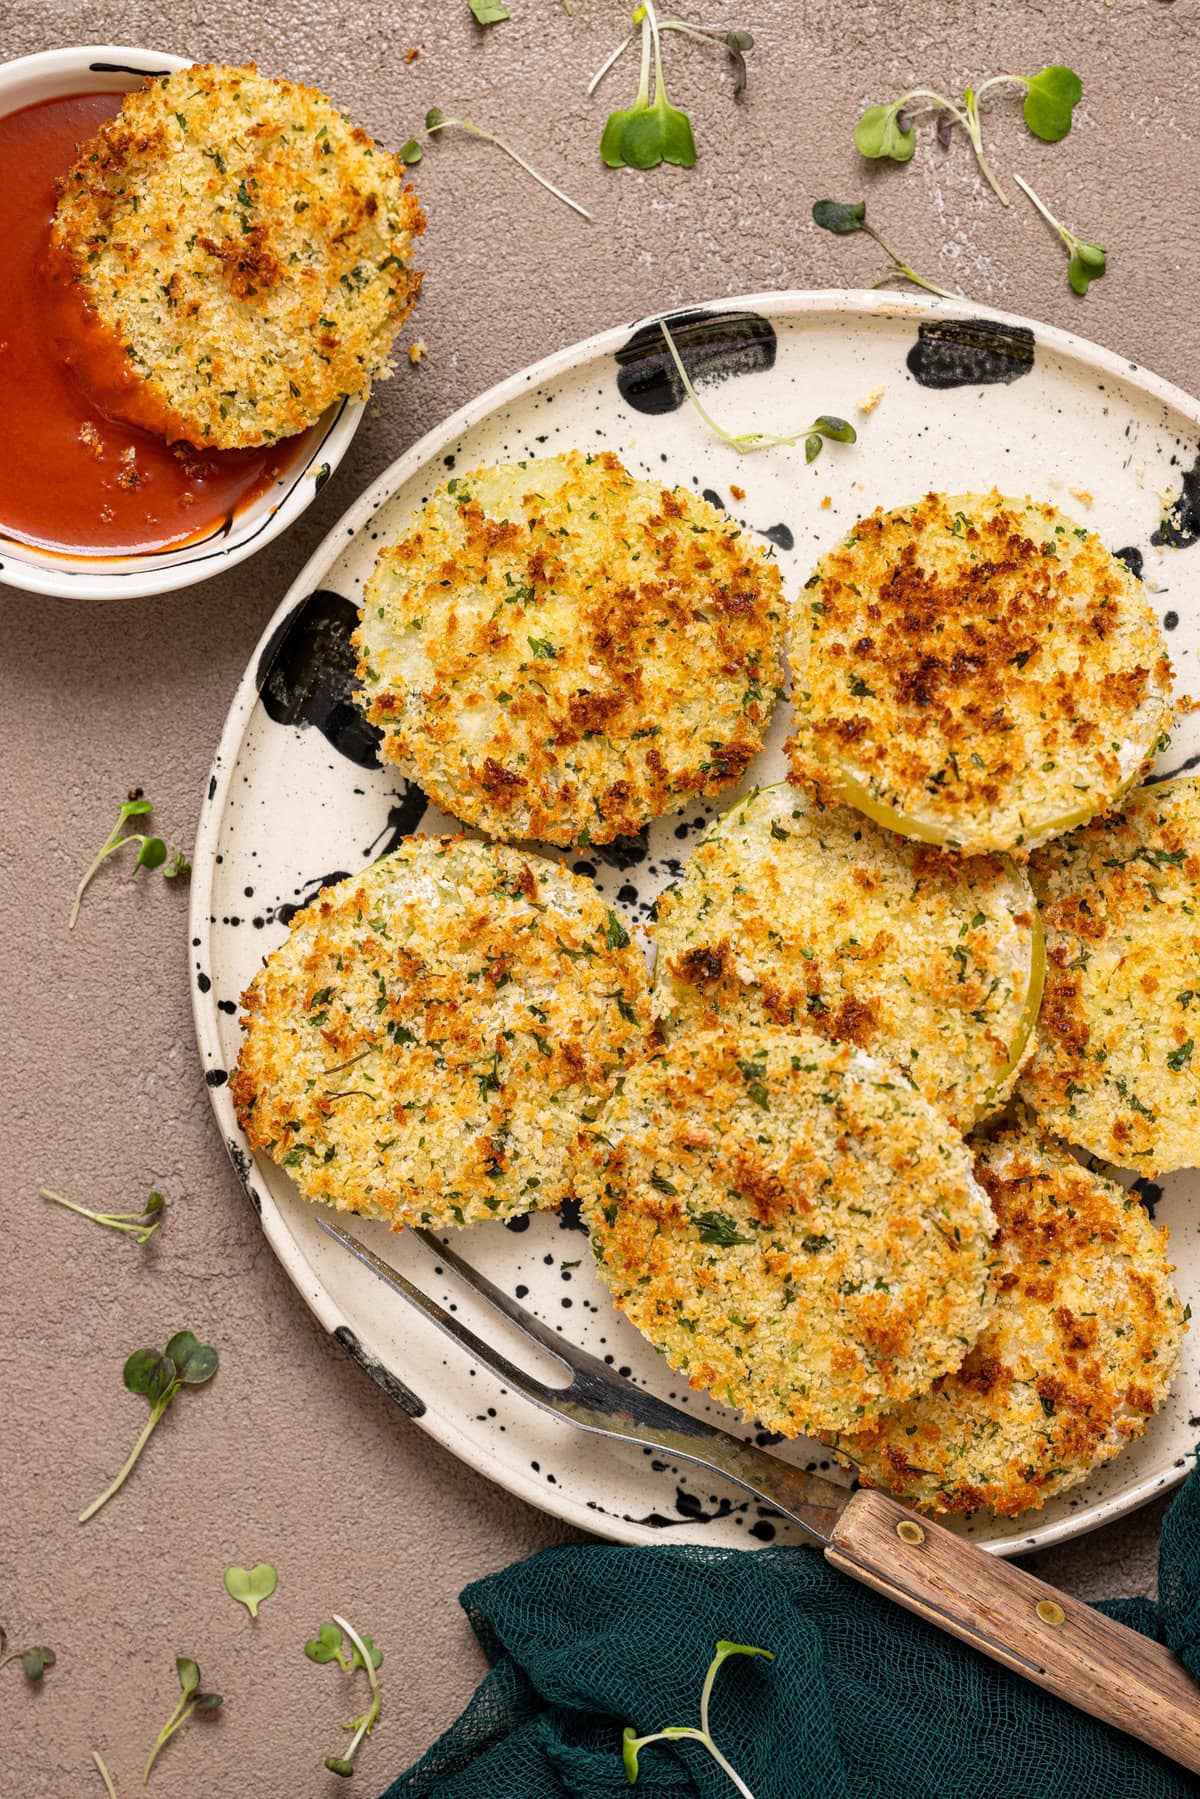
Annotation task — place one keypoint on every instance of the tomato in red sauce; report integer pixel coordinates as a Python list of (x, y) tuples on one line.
[(71, 478)]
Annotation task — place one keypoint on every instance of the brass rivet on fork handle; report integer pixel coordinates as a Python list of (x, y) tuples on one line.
[(1050, 1612), (909, 1531)]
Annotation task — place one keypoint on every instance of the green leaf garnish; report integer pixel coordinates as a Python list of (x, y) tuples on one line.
[(192, 1701), (436, 120), (882, 131), (151, 851), (747, 441), (888, 130), (329, 1646), (632, 1744), (34, 1661), (1086, 262), (843, 218), (488, 12), (141, 1226), (1051, 97), (157, 1379), (650, 131), (250, 1586)]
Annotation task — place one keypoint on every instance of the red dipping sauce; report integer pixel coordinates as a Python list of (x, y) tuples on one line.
[(70, 477)]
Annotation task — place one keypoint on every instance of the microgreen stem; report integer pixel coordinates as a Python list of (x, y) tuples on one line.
[(904, 269), (610, 62), (363, 1726), (113, 843), (131, 1224), (490, 137), (1068, 237), (156, 1412), (747, 441), (105, 1776), (180, 1715), (660, 86)]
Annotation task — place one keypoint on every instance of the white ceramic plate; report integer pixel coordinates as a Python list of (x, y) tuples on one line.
[(298, 798)]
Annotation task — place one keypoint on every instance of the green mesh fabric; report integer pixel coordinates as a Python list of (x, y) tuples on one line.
[(862, 1701)]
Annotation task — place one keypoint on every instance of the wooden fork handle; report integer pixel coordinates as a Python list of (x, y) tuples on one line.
[(1055, 1641)]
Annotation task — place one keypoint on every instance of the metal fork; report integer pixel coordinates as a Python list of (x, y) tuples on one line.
[(1050, 1638)]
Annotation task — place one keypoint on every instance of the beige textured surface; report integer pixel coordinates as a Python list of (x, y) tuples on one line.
[(292, 1455)]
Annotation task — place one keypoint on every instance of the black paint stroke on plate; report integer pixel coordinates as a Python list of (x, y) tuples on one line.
[(1180, 527), (1133, 559), (402, 820), (1148, 1191), (383, 1377), (242, 1166), (970, 353), (781, 535), (691, 1512), (709, 344), (306, 676), (624, 852), (1169, 774), (124, 68), (286, 913)]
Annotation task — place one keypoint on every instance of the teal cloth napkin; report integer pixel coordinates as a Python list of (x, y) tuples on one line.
[(862, 1701)]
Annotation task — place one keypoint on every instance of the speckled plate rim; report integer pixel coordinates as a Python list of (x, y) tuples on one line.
[(76, 68), (842, 303)]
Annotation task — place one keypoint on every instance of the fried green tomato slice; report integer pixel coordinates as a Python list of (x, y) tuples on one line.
[(790, 1224), (978, 672), (1115, 1069), (791, 913), (426, 1042), (555, 650), (239, 253), (1075, 1359)]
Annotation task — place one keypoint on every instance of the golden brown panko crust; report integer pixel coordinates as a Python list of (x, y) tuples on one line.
[(1073, 1362), (558, 651), (425, 1043), (789, 1224), (1115, 1070), (243, 249), (792, 913), (978, 671)]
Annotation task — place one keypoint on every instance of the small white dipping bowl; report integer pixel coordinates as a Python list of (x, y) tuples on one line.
[(114, 68)]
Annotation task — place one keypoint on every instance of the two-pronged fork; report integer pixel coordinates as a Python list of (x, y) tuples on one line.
[(1052, 1639)]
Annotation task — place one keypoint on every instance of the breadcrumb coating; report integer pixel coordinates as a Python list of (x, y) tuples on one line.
[(241, 250), (1072, 1363), (425, 1044), (793, 913), (558, 651), (978, 671), (790, 1224), (1115, 1070)]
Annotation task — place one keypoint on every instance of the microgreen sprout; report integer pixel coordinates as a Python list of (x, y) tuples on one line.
[(632, 1744), (1050, 99), (436, 120), (184, 1363), (151, 851), (33, 1661), (650, 131), (104, 1774), (735, 42), (191, 1702), (843, 217), (489, 12), (250, 1586), (813, 435), (1087, 261), (328, 1646), (139, 1225)]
